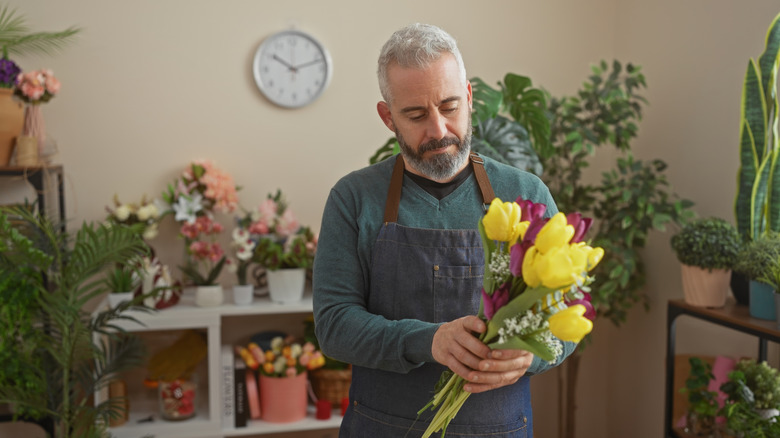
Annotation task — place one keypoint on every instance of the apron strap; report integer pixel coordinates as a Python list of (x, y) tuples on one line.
[(397, 181)]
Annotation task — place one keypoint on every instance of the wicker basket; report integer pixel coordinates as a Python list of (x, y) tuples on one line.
[(331, 385)]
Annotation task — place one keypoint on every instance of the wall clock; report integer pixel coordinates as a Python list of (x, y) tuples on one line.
[(292, 68)]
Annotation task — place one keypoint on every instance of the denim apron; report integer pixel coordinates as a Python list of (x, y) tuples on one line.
[(436, 276)]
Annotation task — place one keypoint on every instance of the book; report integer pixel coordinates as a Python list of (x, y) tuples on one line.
[(228, 387), (241, 404), (253, 396)]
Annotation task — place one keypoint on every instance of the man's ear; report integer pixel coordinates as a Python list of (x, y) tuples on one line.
[(384, 113)]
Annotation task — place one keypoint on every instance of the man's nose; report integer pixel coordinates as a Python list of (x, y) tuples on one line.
[(437, 127)]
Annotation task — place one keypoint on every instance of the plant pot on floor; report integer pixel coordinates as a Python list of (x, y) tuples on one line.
[(705, 288)]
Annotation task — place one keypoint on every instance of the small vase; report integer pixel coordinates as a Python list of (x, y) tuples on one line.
[(243, 294), (117, 298), (34, 126), (283, 399), (178, 398), (705, 288), (209, 296), (286, 285)]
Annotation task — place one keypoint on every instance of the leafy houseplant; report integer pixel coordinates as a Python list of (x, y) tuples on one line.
[(707, 248), (282, 243), (753, 396), (758, 257), (702, 403), (48, 276)]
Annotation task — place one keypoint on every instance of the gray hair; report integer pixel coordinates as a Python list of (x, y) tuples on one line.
[(416, 46)]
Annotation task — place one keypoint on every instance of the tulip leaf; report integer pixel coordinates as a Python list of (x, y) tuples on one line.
[(516, 307)]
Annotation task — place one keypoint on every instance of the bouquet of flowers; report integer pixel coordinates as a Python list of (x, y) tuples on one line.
[(285, 358), (281, 241), (145, 215), (201, 190), (535, 290), (37, 86)]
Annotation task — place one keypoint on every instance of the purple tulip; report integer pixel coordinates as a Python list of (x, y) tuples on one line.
[(581, 226), (590, 312), (530, 211), (496, 301), (516, 256)]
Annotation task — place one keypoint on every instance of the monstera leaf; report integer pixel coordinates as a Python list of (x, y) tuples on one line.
[(506, 141)]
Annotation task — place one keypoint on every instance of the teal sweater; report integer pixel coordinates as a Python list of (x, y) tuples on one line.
[(350, 224)]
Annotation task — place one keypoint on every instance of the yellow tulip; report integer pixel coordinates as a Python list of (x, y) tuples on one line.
[(560, 266), (556, 232), (502, 220), (570, 324), (530, 275)]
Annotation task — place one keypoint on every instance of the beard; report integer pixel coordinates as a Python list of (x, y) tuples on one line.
[(439, 167)]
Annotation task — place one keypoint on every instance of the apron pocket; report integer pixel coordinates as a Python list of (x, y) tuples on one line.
[(456, 291)]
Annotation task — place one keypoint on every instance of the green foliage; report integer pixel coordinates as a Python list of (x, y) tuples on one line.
[(56, 364), (387, 150), (701, 401), (122, 279), (756, 257), (632, 199), (757, 206), (710, 243), (16, 38), (750, 387), (290, 252), (190, 269)]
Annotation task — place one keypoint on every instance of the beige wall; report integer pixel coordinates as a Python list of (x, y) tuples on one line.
[(153, 84)]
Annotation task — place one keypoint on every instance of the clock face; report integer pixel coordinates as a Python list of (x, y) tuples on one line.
[(291, 68)]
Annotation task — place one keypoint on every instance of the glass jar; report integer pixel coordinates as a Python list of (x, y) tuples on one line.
[(178, 398)]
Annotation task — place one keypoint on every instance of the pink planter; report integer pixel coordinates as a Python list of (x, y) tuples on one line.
[(283, 399)]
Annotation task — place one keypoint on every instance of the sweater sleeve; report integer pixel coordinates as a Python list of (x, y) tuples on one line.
[(345, 329)]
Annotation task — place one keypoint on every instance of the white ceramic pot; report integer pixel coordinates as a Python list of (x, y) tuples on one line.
[(209, 296), (115, 298), (243, 294), (286, 285)]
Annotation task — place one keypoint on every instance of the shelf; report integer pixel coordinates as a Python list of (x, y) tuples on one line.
[(732, 315)]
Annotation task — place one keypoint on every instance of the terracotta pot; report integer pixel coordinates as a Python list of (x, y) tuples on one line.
[(11, 123), (705, 288), (283, 399)]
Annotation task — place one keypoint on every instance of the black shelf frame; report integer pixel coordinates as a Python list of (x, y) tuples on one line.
[(732, 315)]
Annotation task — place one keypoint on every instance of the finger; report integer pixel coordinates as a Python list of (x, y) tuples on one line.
[(508, 354)]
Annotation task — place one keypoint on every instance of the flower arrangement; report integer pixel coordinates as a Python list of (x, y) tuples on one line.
[(201, 190), (36, 87), (9, 71), (285, 358), (282, 242), (243, 247), (144, 214), (534, 292)]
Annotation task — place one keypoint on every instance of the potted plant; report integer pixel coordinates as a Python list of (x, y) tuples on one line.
[(55, 354), (201, 190), (753, 399), (757, 205), (243, 247), (121, 282), (707, 249), (702, 403), (284, 248), (755, 261)]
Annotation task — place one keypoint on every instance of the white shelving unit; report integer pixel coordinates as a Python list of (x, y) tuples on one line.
[(208, 422)]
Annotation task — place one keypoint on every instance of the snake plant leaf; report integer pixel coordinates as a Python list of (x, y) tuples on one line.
[(768, 60), (506, 141), (758, 199)]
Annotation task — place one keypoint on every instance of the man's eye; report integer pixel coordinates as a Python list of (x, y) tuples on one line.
[(416, 116), (449, 110)]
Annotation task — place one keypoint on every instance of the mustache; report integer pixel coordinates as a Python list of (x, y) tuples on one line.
[(436, 144)]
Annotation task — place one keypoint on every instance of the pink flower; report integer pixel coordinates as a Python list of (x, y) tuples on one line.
[(287, 224), (496, 301), (267, 210), (258, 228), (581, 225), (52, 85)]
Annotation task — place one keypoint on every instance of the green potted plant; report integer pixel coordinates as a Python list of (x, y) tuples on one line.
[(755, 261), (757, 204), (52, 359), (702, 403), (753, 399), (707, 249), (121, 282)]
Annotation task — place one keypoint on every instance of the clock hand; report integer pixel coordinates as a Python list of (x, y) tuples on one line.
[(306, 64), (282, 61)]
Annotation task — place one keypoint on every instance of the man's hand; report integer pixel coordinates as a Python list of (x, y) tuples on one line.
[(456, 347)]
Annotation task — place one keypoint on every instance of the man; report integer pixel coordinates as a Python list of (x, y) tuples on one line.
[(399, 265)]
